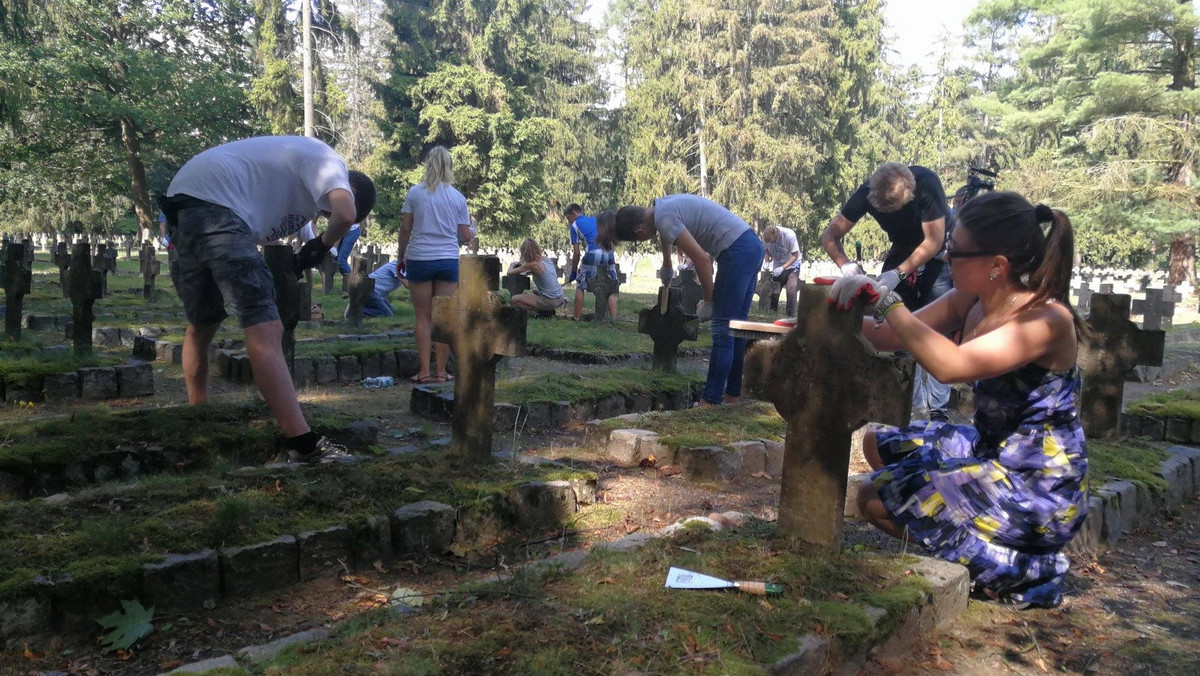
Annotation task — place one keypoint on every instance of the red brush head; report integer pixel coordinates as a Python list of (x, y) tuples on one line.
[(824, 281)]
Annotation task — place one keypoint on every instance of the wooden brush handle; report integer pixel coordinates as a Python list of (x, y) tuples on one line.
[(756, 588)]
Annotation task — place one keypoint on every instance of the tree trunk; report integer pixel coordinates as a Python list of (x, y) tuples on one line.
[(306, 26), (137, 176), (1183, 259)]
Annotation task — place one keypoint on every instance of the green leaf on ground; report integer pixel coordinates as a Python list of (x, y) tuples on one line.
[(128, 627)]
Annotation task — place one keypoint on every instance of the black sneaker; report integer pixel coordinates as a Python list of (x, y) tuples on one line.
[(326, 452), (939, 416)]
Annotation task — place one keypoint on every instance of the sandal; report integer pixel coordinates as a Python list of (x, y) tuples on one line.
[(418, 380), (447, 378)]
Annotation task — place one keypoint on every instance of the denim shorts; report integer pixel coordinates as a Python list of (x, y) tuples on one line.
[(219, 263), (440, 270)]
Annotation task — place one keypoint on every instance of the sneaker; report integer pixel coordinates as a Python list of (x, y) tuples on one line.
[(939, 416), (327, 452)]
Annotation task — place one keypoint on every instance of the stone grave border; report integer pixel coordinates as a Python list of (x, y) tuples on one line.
[(186, 581), (437, 401), (97, 383), (1174, 430), (576, 357), (945, 602)]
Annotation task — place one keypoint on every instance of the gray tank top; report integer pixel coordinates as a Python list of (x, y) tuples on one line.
[(547, 280)]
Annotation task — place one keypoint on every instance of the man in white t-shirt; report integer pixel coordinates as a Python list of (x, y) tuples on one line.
[(220, 206)]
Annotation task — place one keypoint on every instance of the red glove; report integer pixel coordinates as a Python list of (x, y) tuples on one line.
[(847, 290)]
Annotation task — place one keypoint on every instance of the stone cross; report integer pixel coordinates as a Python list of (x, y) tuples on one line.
[(85, 286), (826, 381), (100, 264), (293, 298), (692, 292), (328, 268), (17, 276), (667, 325), (1084, 295), (1114, 347), (768, 291), (61, 256), (481, 330), (602, 286), (149, 266), (1158, 308), (127, 242), (360, 289), (515, 284)]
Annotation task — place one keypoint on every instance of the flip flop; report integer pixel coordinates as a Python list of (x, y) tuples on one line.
[(415, 380), (448, 378)]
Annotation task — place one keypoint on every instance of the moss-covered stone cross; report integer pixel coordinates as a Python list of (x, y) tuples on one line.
[(1114, 347), (85, 286)]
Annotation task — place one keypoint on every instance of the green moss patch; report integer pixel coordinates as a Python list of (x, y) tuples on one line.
[(1184, 403), (590, 385), (31, 371), (114, 528), (353, 348), (711, 426), (608, 339), (613, 615), (1129, 459)]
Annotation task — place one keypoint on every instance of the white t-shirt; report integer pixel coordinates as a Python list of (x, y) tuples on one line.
[(274, 183), (782, 249), (436, 217)]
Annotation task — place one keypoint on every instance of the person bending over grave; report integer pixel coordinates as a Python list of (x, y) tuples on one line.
[(222, 204), (909, 204), (586, 231), (549, 295), (435, 223), (387, 280), (1005, 496), (706, 231), (783, 253)]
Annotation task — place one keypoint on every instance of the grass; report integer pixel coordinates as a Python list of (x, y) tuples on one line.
[(112, 529), (713, 426), (1182, 403), (577, 387), (345, 348), (31, 371), (1129, 459), (613, 615)]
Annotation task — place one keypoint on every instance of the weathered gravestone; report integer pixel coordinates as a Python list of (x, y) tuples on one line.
[(691, 293), (293, 298), (127, 242), (1158, 308), (667, 325), (61, 255), (17, 276), (1115, 345), (602, 286), (481, 330), (767, 290), (515, 284), (826, 381), (328, 268), (85, 286), (149, 266), (100, 265), (360, 289)]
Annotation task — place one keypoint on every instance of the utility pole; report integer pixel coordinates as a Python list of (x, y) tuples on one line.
[(306, 26)]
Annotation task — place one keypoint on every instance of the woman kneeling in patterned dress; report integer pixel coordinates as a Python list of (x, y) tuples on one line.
[(1005, 496)]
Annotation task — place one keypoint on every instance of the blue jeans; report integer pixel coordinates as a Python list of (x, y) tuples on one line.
[(344, 248), (927, 392), (386, 282), (733, 294)]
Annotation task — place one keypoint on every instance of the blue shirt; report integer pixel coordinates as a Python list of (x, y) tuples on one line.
[(584, 227)]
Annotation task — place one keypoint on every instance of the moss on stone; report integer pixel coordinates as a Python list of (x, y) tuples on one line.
[(1182, 403), (710, 426), (1130, 459), (30, 371)]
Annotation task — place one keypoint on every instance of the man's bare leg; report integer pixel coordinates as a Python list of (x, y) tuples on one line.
[(265, 347), (612, 306), (195, 360), (578, 303)]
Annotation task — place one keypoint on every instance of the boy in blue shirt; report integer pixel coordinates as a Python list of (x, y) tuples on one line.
[(585, 233)]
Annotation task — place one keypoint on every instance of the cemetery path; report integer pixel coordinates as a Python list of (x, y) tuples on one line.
[(1134, 610)]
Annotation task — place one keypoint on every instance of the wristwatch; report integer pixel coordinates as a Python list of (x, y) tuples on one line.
[(887, 304)]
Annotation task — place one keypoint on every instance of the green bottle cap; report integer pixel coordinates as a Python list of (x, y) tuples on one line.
[(774, 589)]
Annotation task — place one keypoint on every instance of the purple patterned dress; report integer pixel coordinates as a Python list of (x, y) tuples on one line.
[(1004, 497)]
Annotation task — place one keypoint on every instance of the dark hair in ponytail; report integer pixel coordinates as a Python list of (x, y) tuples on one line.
[(1006, 224), (606, 230)]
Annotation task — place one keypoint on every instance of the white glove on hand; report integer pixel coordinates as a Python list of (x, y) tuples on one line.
[(704, 311), (665, 275), (166, 241), (888, 282), (851, 269), (847, 290), (775, 272)]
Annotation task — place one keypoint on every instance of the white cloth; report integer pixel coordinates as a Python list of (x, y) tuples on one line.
[(436, 217), (307, 232), (713, 226), (274, 183)]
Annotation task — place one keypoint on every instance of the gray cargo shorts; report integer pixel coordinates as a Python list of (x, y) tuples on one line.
[(219, 263)]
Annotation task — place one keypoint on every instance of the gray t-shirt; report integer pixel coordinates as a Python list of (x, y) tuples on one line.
[(713, 226), (782, 249), (274, 183), (547, 280), (436, 217)]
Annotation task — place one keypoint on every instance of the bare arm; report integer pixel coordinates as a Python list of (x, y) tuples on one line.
[(535, 266), (406, 226), (831, 239), (464, 233), (666, 250), (574, 257), (704, 267), (341, 216), (791, 259), (944, 315), (935, 233)]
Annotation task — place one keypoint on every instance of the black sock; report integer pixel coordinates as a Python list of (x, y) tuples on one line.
[(305, 444)]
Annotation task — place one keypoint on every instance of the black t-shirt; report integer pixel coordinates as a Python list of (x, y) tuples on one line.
[(903, 226)]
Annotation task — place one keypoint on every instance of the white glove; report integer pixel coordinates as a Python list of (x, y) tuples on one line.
[(777, 271), (851, 268), (847, 290), (166, 241), (704, 311), (665, 275), (888, 282)]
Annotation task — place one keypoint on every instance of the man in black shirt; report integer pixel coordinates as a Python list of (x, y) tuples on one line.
[(909, 203)]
